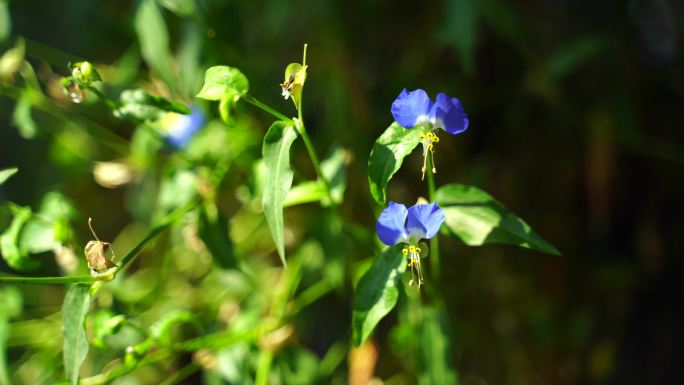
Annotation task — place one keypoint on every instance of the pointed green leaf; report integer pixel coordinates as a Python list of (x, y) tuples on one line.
[(154, 40), (377, 292), (277, 179), (220, 81), (7, 173), (476, 218), (74, 313), (387, 155), (436, 357)]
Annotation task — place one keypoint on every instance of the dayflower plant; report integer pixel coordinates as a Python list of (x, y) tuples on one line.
[(415, 108), (424, 221)]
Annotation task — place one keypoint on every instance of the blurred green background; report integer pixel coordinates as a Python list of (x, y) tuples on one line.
[(576, 124)]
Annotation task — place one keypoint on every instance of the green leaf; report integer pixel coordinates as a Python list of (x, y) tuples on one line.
[(461, 21), (387, 155), (436, 357), (138, 105), (7, 173), (305, 192), (17, 257), (74, 313), (333, 168), (154, 40), (277, 179), (214, 231), (10, 306), (37, 236), (21, 117), (377, 292), (476, 218), (106, 323), (160, 331), (220, 81), (5, 21)]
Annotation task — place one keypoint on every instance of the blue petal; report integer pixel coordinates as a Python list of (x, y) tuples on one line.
[(411, 108), (424, 220), (181, 128), (448, 114), (391, 225)]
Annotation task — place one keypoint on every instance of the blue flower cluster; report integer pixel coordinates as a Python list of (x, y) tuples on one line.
[(396, 223)]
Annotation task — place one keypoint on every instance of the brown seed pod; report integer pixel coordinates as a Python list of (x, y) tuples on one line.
[(95, 253)]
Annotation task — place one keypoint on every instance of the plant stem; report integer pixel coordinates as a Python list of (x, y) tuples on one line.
[(253, 101), (264, 367), (50, 280), (434, 242), (109, 102)]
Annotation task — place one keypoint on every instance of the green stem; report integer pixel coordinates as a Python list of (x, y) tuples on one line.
[(253, 101), (264, 367), (51, 280), (434, 242), (109, 102), (310, 295)]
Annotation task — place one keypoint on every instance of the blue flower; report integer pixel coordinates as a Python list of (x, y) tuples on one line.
[(415, 108), (178, 129), (424, 221)]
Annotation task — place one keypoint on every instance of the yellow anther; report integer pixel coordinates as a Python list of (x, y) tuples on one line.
[(435, 138), (418, 250), (431, 147), (405, 251), (412, 249), (421, 137)]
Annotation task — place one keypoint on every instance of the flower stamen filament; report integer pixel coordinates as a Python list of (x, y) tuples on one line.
[(428, 141), (413, 253)]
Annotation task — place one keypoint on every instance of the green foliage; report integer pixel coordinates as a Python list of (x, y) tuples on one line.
[(154, 40), (21, 117), (5, 21), (435, 349), (74, 311), (277, 179), (7, 173), (138, 105), (476, 218), (377, 292), (222, 82), (388, 153), (14, 254)]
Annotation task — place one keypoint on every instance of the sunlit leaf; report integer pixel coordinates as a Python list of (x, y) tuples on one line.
[(221, 81), (7, 173), (377, 292), (74, 311), (388, 153), (278, 179), (476, 218), (305, 192)]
